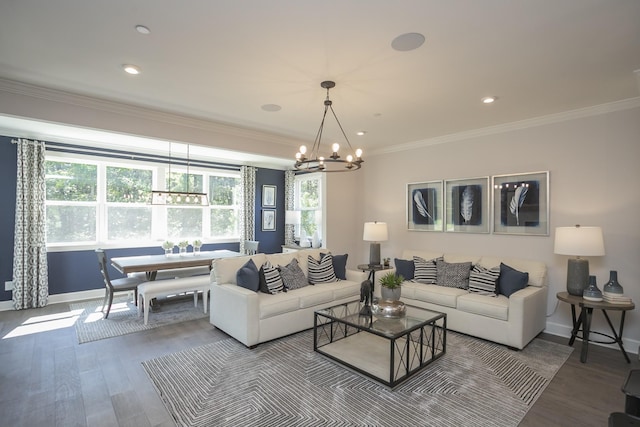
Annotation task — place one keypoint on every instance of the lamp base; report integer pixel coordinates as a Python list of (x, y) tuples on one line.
[(577, 276), (374, 254)]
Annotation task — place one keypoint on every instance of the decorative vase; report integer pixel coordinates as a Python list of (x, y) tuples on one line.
[(183, 250), (315, 240), (592, 293), (612, 286), (196, 250), (168, 252), (390, 294)]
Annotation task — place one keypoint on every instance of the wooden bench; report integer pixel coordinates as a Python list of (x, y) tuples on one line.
[(157, 288)]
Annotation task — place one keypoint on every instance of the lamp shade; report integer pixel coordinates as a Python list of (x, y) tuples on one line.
[(292, 217), (579, 241), (375, 232)]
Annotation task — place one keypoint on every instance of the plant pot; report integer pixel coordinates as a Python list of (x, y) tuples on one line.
[(390, 294)]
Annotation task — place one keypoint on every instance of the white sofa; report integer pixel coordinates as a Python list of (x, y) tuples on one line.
[(256, 317), (512, 321)]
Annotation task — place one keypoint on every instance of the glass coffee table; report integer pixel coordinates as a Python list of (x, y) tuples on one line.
[(386, 350)]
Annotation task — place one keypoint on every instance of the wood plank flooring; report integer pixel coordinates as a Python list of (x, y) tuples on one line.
[(48, 379)]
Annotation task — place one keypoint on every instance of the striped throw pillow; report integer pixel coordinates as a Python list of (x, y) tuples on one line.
[(270, 280), (425, 271), (321, 271), (483, 281)]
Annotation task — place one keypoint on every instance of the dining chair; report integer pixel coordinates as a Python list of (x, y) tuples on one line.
[(115, 285), (251, 247)]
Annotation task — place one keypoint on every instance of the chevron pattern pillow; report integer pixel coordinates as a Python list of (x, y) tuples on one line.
[(270, 280), (483, 281), (425, 271), (321, 271), (292, 275), (453, 275)]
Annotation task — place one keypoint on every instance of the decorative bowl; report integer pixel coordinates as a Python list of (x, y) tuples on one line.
[(388, 309)]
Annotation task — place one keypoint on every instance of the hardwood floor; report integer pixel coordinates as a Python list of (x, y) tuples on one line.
[(47, 378)]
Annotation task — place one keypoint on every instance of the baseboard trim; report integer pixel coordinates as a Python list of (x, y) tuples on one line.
[(60, 298), (630, 346)]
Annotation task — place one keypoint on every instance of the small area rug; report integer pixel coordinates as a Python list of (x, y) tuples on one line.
[(285, 383), (123, 318)]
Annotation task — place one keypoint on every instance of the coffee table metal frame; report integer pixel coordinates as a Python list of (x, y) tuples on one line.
[(414, 341)]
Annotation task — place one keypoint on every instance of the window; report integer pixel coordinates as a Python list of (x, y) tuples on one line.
[(309, 201), (96, 201)]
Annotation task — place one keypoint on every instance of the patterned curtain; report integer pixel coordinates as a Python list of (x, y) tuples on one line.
[(30, 276), (248, 211), (289, 203)]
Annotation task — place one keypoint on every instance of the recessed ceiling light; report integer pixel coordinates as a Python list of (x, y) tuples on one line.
[(131, 69), (142, 29), (361, 132), (408, 41), (489, 99), (271, 107)]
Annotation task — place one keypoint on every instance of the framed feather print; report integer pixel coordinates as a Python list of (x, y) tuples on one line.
[(467, 205), (521, 204), (424, 206)]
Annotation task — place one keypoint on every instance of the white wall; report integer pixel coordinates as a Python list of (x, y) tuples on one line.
[(594, 180)]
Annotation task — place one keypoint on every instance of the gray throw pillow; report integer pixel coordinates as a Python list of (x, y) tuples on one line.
[(293, 276), (511, 280), (405, 268), (453, 275)]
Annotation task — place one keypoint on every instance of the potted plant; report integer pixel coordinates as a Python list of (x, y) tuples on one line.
[(391, 283), (197, 244), (168, 247), (183, 246)]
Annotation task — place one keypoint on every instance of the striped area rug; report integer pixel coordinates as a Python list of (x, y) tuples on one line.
[(285, 383)]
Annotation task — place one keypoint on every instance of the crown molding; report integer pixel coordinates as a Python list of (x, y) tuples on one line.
[(625, 104), (84, 101)]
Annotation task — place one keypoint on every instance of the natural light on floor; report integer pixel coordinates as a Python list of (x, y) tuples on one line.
[(45, 323)]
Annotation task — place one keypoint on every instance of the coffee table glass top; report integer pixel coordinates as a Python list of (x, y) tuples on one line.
[(349, 314)]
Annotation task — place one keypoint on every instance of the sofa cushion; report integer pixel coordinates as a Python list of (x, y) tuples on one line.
[(292, 275), (453, 275), (483, 281), (270, 280), (321, 271), (346, 289), (425, 270), (439, 294), (315, 295), (497, 308), (404, 267), (248, 276), (511, 280), (339, 265), (274, 305)]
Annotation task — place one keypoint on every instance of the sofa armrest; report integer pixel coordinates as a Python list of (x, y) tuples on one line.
[(236, 311), (356, 275), (527, 312)]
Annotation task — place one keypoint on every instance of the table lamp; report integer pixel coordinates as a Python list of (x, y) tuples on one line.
[(579, 242), (375, 232), (291, 219)]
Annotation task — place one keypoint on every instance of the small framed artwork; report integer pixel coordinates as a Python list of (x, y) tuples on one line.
[(268, 220), (269, 196), (521, 204), (467, 205), (424, 206)]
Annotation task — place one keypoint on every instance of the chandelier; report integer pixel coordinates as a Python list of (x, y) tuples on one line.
[(178, 198), (333, 163)]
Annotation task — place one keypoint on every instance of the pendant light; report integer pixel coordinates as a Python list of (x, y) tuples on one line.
[(178, 198)]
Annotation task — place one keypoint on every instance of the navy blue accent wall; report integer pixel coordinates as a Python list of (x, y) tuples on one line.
[(270, 241), (74, 271), (8, 170)]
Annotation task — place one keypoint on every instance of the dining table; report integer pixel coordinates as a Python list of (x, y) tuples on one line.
[(151, 264)]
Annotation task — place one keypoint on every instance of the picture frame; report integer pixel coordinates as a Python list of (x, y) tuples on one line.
[(424, 206), (467, 205), (269, 196), (268, 220), (521, 203)]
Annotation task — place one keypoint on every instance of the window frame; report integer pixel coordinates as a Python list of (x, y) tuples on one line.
[(320, 222)]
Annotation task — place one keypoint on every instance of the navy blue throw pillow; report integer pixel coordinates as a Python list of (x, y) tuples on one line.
[(404, 267), (511, 280), (248, 276)]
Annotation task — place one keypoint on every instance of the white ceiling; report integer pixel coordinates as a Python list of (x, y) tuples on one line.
[(222, 60)]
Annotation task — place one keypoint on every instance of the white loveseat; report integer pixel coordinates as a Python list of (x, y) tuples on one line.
[(256, 317), (513, 321)]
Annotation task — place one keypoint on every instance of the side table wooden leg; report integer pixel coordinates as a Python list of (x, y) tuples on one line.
[(586, 327), (617, 337), (576, 325)]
